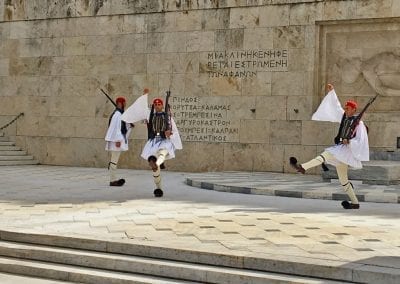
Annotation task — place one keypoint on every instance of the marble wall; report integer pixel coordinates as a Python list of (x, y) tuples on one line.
[(245, 76)]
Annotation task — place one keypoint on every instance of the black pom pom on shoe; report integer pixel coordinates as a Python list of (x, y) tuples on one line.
[(297, 167), (158, 192)]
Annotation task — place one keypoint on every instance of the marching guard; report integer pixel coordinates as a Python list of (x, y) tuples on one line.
[(351, 143), (117, 140), (163, 135)]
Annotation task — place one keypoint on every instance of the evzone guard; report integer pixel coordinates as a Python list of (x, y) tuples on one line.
[(351, 143), (117, 139), (163, 135)]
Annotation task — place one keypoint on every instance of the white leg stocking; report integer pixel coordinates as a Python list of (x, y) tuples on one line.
[(162, 155), (113, 164), (317, 161), (157, 177), (344, 181)]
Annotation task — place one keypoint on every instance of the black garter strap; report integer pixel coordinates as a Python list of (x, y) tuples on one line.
[(110, 164), (347, 184)]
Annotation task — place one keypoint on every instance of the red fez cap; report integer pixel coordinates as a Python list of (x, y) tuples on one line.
[(158, 101), (121, 100), (146, 90), (352, 104)]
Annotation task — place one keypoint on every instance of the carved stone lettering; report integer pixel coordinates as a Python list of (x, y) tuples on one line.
[(245, 63), (201, 121)]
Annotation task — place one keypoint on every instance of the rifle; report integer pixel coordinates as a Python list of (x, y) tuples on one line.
[(168, 111), (111, 100), (357, 120)]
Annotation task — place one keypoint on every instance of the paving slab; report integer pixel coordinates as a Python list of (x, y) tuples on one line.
[(77, 202)]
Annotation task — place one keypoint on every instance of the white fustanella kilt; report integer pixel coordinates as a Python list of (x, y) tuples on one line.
[(154, 145)]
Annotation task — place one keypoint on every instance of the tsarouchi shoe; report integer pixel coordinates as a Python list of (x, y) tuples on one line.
[(119, 182), (296, 166), (348, 205)]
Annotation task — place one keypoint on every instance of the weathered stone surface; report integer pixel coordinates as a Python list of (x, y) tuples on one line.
[(188, 21), (289, 37), (318, 132), (271, 16), (213, 160), (197, 85), (299, 108), (269, 61), (244, 18), (14, 10), (339, 10), (270, 108), (4, 66), (285, 132), (305, 14), (395, 8), (2, 10), (215, 19), (254, 131), (266, 157), (258, 38), (257, 86), (301, 59), (173, 42), (288, 84), (383, 134), (229, 39), (371, 8), (303, 154), (200, 41)]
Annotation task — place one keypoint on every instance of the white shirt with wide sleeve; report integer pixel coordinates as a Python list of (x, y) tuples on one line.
[(357, 150), (114, 134)]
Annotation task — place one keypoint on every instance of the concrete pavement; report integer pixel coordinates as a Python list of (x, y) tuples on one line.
[(77, 202)]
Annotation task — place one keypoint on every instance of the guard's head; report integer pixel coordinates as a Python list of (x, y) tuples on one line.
[(350, 108), (121, 101), (158, 104)]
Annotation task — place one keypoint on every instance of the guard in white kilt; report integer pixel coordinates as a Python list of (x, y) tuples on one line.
[(351, 144), (163, 135), (117, 140)]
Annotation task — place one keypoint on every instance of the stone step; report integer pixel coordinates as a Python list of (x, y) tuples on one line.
[(18, 163), (373, 172), (15, 158), (168, 269), (7, 143), (12, 153), (4, 139), (6, 278), (76, 274), (9, 148), (123, 255), (385, 155)]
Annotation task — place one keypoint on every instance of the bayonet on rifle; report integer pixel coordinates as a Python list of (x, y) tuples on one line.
[(111, 100)]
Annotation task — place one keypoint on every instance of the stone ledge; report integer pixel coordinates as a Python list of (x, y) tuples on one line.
[(379, 172), (359, 271), (285, 186)]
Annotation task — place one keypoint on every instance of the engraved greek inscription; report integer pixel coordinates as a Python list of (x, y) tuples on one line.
[(246, 63), (199, 120)]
